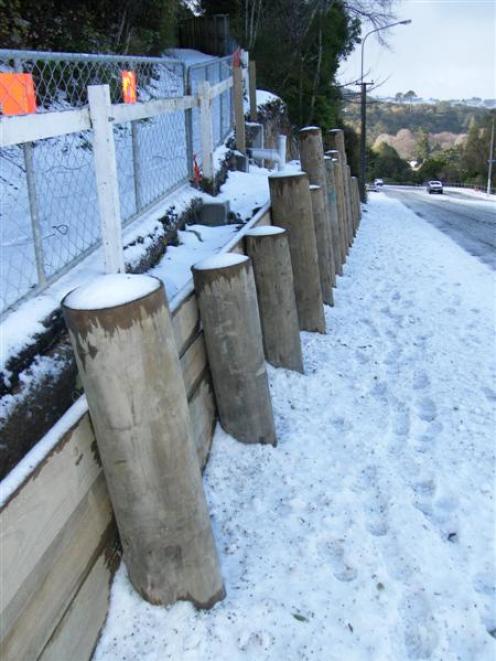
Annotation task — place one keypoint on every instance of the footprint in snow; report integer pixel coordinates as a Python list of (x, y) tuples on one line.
[(426, 409), (441, 512), (334, 553), (489, 394), (420, 380), (401, 422), (420, 633), (429, 436)]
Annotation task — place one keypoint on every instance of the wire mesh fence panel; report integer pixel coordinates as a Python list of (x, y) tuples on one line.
[(225, 100), (66, 195), (63, 199), (61, 79), (48, 200), (18, 272), (197, 74)]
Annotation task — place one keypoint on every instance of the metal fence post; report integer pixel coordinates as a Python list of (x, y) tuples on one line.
[(106, 177), (221, 107), (188, 122), (136, 165), (34, 212), (206, 130)]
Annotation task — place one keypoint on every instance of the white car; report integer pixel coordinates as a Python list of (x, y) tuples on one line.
[(376, 186), (434, 187)]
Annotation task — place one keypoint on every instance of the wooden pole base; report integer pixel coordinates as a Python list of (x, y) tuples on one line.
[(337, 238), (227, 299), (269, 251), (341, 207), (312, 162), (292, 209), (121, 332), (324, 243)]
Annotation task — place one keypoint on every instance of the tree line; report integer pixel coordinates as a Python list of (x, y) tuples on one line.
[(463, 163)]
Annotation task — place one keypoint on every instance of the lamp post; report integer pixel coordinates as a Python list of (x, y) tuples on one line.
[(363, 120)]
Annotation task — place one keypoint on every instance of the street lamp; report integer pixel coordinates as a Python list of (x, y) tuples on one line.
[(363, 121)]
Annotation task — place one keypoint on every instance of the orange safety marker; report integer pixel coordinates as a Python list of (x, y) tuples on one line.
[(129, 93), (17, 95)]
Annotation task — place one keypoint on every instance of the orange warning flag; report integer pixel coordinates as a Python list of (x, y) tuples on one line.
[(17, 96), (129, 86)]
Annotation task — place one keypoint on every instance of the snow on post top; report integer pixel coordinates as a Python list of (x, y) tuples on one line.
[(109, 291), (220, 261), (314, 187), (284, 173), (310, 128), (265, 230)]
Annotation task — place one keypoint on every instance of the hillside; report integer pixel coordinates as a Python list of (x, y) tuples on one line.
[(401, 125)]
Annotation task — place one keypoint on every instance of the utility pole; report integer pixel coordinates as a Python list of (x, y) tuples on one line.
[(491, 160)]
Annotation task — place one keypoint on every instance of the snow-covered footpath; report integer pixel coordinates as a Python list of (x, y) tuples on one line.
[(368, 533)]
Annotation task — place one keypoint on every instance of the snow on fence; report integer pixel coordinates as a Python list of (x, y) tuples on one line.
[(57, 531), (49, 193)]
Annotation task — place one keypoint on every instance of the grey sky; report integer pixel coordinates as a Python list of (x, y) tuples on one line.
[(449, 51)]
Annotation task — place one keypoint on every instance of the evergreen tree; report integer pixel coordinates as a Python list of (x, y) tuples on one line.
[(130, 26)]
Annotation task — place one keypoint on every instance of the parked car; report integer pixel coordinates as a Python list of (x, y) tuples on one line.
[(375, 186), (434, 187)]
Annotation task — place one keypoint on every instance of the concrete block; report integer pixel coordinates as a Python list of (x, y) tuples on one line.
[(214, 214)]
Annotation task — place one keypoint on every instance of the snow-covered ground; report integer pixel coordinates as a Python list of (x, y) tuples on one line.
[(368, 533)]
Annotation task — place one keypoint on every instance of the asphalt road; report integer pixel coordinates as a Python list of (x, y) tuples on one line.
[(468, 220)]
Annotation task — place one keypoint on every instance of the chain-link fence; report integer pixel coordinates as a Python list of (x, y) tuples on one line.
[(48, 199)]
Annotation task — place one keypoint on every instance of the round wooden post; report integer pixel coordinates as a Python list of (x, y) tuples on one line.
[(336, 137), (356, 195), (269, 251), (338, 239), (312, 162), (343, 220), (324, 244), (121, 332), (292, 209), (227, 299), (350, 200)]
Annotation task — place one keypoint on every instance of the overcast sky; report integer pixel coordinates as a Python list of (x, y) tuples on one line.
[(448, 51)]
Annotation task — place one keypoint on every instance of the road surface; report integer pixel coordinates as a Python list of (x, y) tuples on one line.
[(467, 219)]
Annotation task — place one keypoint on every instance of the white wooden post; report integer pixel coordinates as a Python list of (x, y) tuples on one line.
[(106, 177), (206, 130)]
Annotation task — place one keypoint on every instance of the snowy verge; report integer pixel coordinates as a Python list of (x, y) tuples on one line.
[(246, 192), (368, 533)]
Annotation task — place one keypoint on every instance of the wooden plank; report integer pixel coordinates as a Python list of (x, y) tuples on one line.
[(206, 131), (193, 363), (107, 183), (37, 607), (221, 87), (203, 413), (77, 633), (27, 128), (186, 322), (39, 511), (127, 112)]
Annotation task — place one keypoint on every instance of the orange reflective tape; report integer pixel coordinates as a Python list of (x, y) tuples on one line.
[(17, 96), (129, 94)]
